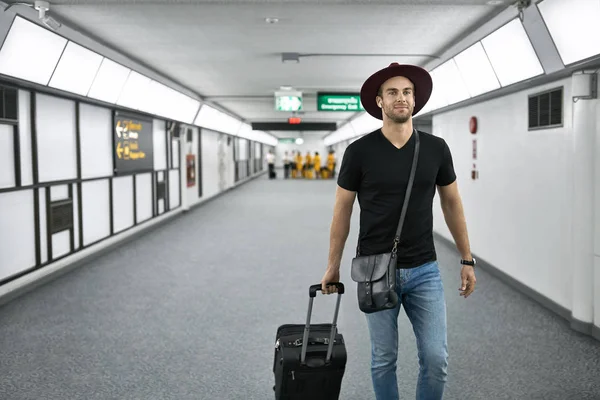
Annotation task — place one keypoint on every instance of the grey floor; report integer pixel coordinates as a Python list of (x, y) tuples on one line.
[(190, 310)]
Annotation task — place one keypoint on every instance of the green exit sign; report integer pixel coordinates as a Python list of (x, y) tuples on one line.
[(339, 102), (288, 101)]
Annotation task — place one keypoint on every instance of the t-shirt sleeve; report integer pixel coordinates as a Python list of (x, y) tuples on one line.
[(446, 174), (350, 172)]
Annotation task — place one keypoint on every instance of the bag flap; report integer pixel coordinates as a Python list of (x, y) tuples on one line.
[(370, 268)]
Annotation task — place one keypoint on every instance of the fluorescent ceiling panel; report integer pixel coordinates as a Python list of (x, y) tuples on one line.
[(135, 92), (30, 52), (511, 54), (109, 81), (365, 123), (574, 27), (155, 101), (183, 108), (476, 70), (265, 138), (345, 132), (438, 98), (214, 119), (247, 132), (450, 83), (76, 69)]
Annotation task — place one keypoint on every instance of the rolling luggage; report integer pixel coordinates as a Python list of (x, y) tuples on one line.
[(310, 360)]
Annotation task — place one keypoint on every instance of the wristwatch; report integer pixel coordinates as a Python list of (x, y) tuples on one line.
[(466, 262)]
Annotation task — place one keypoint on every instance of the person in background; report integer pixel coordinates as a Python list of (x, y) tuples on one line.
[(287, 163), (331, 164), (293, 165), (300, 171), (308, 166), (271, 162), (317, 164)]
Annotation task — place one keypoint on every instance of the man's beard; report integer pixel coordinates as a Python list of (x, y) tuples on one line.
[(399, 119)]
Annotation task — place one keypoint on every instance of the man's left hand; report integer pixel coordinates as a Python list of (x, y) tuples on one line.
[(467, 276)]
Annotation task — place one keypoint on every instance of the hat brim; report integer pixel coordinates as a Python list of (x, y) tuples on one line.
[(418, 76)]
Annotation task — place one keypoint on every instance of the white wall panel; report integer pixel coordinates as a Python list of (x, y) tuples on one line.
[(60, 192), (210, 163), (160, 177), (7, 156), (174, 195), (143, 195), (76, 216), (17, 232), (257, 150), (243, 149), (122, 203), (95, 124), (96, 211), (43, 230), (192, 148), (160, 144), (61, 244), (518, 211), (55, 127), (25, 137), (175, 152)]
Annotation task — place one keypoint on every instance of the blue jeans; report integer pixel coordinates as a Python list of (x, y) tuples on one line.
[(421, 292)]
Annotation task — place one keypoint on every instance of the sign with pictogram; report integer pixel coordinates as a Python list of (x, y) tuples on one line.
[(133, 143)]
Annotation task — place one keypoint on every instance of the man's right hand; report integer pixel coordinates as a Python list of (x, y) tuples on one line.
[(331, 275)]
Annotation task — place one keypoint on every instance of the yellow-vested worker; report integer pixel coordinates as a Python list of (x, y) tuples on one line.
[(330, 164), (308, 171), (317, 163), (298, 172)]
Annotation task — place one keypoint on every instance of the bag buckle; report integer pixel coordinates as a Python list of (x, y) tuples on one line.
[(395, 248)]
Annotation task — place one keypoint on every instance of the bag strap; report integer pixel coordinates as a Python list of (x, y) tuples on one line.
[(406, 198), (408, 190)]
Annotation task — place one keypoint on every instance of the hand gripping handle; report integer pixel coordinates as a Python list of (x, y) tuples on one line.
[(312, 293)]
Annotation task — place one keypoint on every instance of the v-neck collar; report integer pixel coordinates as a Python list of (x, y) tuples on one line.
[(392, 145)]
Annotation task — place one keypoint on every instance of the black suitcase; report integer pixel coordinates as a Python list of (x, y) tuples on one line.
[(310, 360)]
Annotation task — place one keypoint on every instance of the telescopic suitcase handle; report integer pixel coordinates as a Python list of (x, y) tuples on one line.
[(312, 293)]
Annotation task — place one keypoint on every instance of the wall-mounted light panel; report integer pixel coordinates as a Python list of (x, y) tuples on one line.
[(30, 52), (511, 53), (76, 70), (476, 70), (574, 27)]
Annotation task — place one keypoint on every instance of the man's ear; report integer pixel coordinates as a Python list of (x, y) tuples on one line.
[(378, 100)]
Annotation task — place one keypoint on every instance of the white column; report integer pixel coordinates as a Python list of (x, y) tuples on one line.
[(584, 226), (596, 272)]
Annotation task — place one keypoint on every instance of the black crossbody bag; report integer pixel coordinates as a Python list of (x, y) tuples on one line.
[(376, 274)]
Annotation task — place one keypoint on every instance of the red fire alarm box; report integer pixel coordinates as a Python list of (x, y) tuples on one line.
[(190, 161)]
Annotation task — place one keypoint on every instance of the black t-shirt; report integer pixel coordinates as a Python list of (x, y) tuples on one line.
[(379, 172)]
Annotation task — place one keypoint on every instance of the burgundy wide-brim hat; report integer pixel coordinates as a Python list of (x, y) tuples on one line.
[(417, 75)]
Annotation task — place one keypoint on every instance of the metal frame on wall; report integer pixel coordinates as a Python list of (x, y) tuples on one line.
[(62, 211)]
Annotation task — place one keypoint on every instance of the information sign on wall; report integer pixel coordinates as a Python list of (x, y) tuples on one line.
[(133, 143), (339, 102)]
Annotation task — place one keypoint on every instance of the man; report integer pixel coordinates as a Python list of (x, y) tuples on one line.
[(286, 165), (377, 168), (271, 163)]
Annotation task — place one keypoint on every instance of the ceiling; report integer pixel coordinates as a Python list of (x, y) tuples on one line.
[(228, 54)]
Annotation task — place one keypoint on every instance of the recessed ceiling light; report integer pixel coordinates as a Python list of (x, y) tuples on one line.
[(495, 2), (271, 20)]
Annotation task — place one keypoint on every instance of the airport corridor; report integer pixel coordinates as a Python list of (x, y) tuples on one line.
[(190, 309)]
